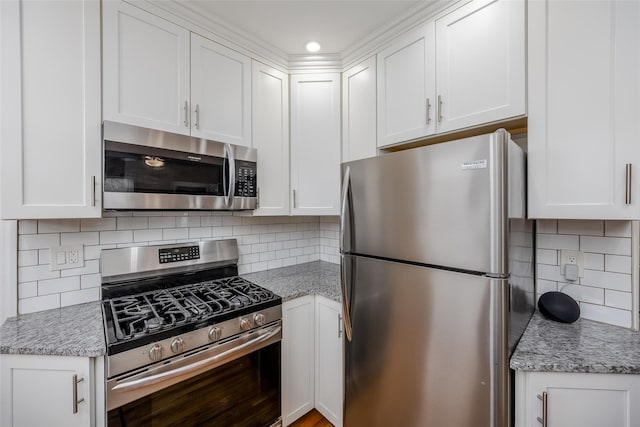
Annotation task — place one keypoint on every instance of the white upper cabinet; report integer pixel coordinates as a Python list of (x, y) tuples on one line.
[(359, 111), (220, 93), (406, 87), (159, 75), (270, 115), (146, 69), (315, 144), (465, 69), (50, 138), (480, 57), (584, 105)]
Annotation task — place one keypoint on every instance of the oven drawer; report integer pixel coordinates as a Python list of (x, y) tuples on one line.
[(128, 388)]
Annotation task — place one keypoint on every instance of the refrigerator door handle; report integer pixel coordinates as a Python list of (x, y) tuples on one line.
[(345, 213), (346, 281)]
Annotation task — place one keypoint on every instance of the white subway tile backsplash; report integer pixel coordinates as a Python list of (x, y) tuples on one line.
[(617, 299), (98, 224), (547, 256), (28, 226), (123, 236), (607, 280), (79, 297), (606, 245), (55, 286), (58, 225), (585, 293), (617, 228), (601, 313), (593, 261), (558, 241), (40, 303), (83, 238), (264, 243), (550, 272), (38, 241), (617, 263), (547, 226), (579, 227)]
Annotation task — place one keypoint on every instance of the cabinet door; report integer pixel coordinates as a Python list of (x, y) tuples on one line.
[(585, 400), (50, 138), (146, 69), (270, 115), (220, 93), (297, 358), (584, 104), (315, 144), (406, 87), (329, 360), (359, 111), (39, 391), (480, 57)]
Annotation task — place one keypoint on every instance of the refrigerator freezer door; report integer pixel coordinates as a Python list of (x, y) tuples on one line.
[(443, 204), (425, 348)]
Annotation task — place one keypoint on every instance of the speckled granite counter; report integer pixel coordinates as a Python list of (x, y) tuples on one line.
[(313, 278), (70, 331), (583, 346)]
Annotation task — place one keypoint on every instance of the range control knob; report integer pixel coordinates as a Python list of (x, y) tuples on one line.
[(155, 352), (245, 325), (177, 345), (215, 333), (259, 319)]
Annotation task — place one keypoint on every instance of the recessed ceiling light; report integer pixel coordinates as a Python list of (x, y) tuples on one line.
[(312, 47)]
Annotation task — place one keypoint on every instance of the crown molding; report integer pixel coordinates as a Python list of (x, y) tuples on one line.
[(211, 26)]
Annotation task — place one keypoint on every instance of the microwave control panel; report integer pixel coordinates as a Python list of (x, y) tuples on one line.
[(245, 179)]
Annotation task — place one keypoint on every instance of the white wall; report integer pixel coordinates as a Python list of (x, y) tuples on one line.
[(264, 243), (605, 291)]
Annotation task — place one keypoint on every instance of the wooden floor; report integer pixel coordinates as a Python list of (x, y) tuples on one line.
[(312, 418)]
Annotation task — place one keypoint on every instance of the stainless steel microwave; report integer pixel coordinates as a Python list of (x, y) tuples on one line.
[(152, 169)]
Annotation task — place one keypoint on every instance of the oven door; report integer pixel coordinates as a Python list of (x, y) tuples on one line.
[(234, 383)]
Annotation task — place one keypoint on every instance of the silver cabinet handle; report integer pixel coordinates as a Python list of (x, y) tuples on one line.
[(439, 108), (544, 398), (186, 114), (295, 205), (197, 116), (428, 111), (339, 325), (627, 198), (76, 402), (93, 190)]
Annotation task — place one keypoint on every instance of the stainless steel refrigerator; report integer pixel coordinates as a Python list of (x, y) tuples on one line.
[(437, 283)]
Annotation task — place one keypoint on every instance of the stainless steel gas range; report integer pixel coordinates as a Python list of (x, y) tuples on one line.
[(188, 341)]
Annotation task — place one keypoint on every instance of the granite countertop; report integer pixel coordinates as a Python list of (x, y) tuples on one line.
[(76, 330), (313, 278), (583, 346)]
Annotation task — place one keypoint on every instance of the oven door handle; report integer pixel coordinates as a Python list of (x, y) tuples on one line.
[(184, 370)]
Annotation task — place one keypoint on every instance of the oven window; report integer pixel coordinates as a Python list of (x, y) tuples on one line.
[(244, 392), (129, 172)]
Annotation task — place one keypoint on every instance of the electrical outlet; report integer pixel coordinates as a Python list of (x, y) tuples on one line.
[(568, 257), (64, 257)]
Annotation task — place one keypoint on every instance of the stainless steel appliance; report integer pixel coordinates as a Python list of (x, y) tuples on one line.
[(437, 282), (151, 169), (188, 341)]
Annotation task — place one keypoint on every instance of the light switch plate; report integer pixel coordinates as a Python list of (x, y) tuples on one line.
[(64, 257), (572, 258)]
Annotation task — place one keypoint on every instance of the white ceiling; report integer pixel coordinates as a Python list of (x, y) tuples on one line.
[(289, 24)]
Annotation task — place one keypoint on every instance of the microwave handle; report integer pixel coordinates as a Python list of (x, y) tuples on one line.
[(231, 161)]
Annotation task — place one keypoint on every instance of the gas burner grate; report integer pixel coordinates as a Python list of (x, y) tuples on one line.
[(147, 313)]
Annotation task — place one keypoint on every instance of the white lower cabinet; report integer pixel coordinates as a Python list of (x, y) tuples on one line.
[(329, 360), (312, 358), (297, 358), (48, 391), (577, 400)]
